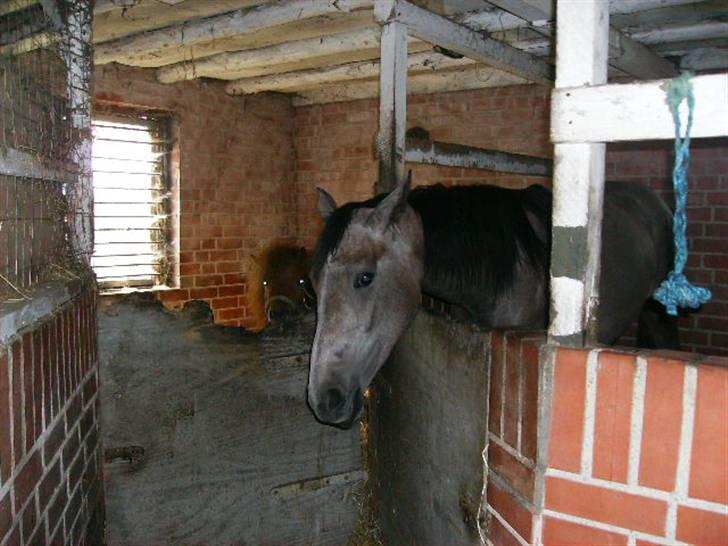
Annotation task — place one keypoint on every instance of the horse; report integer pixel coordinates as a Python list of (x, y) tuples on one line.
[(279, 285), (484, 249)]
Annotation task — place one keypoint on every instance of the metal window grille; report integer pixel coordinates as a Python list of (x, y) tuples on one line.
[(45, 66), (132, 246)]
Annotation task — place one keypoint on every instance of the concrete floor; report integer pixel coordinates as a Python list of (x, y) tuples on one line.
[(231, 453)]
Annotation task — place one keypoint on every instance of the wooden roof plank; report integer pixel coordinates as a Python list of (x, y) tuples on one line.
[(220, 27), (288, 52), (442, 81), (625, 54), (443, 32), (419, 62)]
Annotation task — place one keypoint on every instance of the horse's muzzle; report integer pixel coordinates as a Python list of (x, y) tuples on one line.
[(338, 408)]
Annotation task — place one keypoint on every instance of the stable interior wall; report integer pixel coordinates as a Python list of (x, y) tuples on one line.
[(335, 149), (249, 168), (235, 160), (592, 446), (51, 489)]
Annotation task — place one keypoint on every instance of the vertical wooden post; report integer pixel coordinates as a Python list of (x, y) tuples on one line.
[(79, 59), (578, 184), (392, 105)]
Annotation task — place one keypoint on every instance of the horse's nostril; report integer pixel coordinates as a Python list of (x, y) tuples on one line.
[(333, 400)]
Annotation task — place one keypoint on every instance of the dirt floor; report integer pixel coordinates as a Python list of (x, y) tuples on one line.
[(207, 435)]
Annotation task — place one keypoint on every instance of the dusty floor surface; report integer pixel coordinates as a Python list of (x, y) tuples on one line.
[(231, 453)]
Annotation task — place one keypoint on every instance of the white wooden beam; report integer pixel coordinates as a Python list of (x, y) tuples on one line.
[(528, 10), (220, 27), (625, 54), (637, 111), (225, 64), (578, 183), (424, 83), (423, 150), (443, 32), (105, 6), (644, 19), (427, 61), (636, 59), (392, 106)]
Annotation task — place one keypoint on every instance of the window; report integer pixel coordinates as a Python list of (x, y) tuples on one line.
[(133, 244)]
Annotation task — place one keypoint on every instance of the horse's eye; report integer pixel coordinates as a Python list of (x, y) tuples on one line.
[(364, 279)]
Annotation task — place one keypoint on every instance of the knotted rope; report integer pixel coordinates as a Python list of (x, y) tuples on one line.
[(676, 291)]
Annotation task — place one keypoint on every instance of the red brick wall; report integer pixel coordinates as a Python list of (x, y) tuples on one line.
[(235, 160), (605, 447), (51, 489), (249, 168), (335, 142), (705, 331), (335, 150)]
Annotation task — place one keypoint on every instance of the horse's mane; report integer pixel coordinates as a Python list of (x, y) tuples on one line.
[(475, 236)]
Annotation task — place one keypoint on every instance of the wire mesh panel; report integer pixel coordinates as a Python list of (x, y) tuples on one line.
[(44, 81)]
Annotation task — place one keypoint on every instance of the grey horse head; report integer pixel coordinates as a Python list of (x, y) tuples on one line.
[(368, 290)]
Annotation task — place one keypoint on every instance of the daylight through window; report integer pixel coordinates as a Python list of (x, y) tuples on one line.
[(131, 201)]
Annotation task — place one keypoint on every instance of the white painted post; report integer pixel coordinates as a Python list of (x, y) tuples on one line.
[(392, 105), (578, 184)]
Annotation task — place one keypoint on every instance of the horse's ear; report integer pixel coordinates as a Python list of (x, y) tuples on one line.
[(388, 211), (326, 203)]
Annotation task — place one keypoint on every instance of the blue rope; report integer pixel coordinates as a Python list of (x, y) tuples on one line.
[(676, 291)]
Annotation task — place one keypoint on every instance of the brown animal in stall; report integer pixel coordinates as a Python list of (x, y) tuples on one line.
[(278, 283)]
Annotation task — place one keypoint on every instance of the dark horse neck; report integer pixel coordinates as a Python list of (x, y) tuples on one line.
[(479, 241)]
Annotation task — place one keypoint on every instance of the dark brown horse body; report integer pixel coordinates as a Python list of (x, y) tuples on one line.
[(484, 249)]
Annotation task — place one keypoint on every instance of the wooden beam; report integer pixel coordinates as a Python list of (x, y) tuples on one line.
[(424, 83), (638, 111), (625, 54), (681, 33), (427, 61), (392, 106), (41, 40), (637, 59), (116, 18), (79, 66), (12, 6), (220, 27), (22, 164), (105, 6), (288, 52), (578, 183), (528, 10), (697, 12), (443, 32), (424, 150)]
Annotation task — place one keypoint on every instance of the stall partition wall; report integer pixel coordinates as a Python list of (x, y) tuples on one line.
[(50, 471)]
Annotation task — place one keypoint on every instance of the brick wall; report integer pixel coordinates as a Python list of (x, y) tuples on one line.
[(335, 142), (51, 489), (335, 150), (235, 161), (249, 167), (631, 448), (705, 331)]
